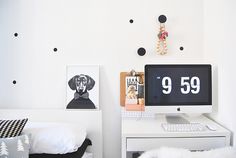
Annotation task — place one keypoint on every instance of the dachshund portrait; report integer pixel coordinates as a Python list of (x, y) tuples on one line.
[(81, 84)]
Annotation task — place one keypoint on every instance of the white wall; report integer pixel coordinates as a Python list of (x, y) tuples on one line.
[(220, 49), (89, 32)]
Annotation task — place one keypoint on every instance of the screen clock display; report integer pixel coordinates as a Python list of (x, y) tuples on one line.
[(178, 84)]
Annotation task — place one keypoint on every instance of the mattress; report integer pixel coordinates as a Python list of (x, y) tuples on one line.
[(78, 154)]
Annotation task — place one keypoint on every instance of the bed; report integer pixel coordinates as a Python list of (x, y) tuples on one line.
[(92, 120), (80, 153)]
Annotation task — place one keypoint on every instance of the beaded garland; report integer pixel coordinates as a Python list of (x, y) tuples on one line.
[(161, 44)]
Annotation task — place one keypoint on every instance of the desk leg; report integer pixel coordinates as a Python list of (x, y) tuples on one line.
[(123, 148)]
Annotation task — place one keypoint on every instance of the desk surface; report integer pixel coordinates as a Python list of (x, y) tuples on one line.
[(150, 127)]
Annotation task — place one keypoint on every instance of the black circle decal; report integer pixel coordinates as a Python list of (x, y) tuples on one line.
[(162, 18), (141, 51)]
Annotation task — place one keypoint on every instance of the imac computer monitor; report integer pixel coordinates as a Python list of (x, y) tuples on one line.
[(178, 88)]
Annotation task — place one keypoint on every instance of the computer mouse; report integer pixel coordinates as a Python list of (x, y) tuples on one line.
[(211, 127)]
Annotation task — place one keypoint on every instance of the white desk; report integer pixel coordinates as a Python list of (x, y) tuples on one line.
[(146, 133)]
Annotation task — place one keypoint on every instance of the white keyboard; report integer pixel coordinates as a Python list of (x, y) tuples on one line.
[(191, 127)]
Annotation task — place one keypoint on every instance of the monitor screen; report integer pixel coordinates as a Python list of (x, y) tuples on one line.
[(167, 85)]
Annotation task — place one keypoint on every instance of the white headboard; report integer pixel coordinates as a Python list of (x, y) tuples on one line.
[(92, 120)]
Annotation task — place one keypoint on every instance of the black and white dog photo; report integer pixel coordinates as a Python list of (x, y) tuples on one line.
[(81, 84)]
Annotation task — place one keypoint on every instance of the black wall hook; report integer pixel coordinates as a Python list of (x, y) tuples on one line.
[(141, 51), (162, 18)]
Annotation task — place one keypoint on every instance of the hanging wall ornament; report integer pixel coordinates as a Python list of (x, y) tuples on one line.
[(162, 35)]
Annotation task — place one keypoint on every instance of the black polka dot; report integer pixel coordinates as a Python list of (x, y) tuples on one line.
[(55, 49), (14, 81), (141, 51), (162, 18), (131, 21), (15, 34), (181, 48)]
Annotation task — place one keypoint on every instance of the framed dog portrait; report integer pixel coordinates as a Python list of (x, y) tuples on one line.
[(82, 87)]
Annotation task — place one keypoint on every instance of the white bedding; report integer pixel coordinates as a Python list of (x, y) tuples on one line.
[(166, 152), (54, 138)]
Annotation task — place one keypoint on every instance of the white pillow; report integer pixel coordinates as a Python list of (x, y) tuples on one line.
[(54, 138)]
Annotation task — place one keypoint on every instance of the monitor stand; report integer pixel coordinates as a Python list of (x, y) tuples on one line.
[(176, 119)]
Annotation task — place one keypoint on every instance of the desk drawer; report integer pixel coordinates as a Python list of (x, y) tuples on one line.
[(199, 143)]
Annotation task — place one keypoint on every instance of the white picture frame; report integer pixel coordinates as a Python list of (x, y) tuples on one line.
[(82, 87)]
